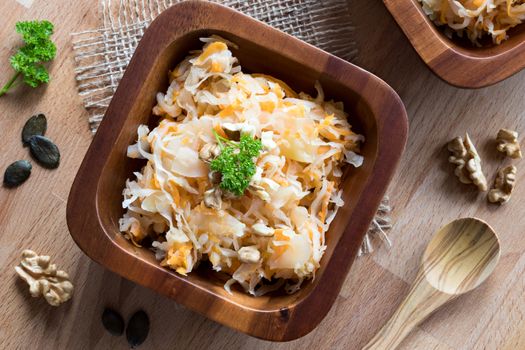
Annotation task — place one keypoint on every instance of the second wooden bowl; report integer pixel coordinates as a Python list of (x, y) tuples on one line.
[(95, 201), (458, 63)]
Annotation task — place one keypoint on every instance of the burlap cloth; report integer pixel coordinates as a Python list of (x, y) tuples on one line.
[(102, 54)]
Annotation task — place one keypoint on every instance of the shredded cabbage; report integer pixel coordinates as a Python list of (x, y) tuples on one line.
[(293, 195), (476, 18)]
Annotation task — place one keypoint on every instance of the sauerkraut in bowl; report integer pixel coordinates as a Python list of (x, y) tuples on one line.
[(241, 172), (476, 19)]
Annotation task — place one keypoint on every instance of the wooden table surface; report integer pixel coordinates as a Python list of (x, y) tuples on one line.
[(424, 193)]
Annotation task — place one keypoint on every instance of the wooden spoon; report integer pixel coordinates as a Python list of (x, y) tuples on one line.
[(458, 259)]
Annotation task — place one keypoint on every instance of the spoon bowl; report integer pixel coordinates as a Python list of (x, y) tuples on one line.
[(460, 256)]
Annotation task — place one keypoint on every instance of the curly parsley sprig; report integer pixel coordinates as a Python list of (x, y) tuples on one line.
[(39, 48), (236, 162)]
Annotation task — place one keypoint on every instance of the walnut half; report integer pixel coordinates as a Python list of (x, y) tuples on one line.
[(209, 152), (467, 161), (503, 185), (508, 143), (213, 198), (44, 279)]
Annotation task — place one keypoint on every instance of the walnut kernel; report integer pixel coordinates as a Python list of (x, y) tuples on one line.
[(209, 152), (467, 161), (213, 198), (508, 143), (503, 185), (44, 279)]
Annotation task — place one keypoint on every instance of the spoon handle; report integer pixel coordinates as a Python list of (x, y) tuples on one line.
[(420, 302)]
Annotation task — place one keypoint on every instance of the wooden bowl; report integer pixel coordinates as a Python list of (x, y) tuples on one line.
[(458, 63), (94, 205)]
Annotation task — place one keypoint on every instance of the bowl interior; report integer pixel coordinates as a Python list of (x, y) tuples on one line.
[(253, 58), (464, 46)]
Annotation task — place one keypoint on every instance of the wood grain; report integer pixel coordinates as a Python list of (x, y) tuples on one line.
[(424, 192), (457, 62), (460, 257), (95, 201)]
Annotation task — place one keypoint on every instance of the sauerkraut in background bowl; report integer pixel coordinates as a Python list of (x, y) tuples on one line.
[(476, 19), (264, 223)]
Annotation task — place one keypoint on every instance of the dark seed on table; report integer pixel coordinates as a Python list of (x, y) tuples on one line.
[(17, 173), (36, 125), (113, 322), (44, 151), (138, 328)]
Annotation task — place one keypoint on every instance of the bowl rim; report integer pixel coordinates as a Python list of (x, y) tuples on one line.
[(455, 64), (278, 325)]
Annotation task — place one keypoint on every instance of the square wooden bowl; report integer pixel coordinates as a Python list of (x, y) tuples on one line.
[(94, 205), (458, 62)]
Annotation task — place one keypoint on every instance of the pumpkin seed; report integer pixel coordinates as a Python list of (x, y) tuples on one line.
[(44, 151), (113, 322), (36, 125), (138, 328), (17, 173)]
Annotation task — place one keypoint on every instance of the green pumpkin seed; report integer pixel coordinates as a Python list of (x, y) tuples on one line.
[(113, 322), (44, 151), (36, 125), (17, 173), (138, 328)]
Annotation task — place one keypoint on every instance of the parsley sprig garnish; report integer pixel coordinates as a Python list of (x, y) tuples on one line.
[(39, 48), (236, 162)]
